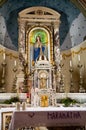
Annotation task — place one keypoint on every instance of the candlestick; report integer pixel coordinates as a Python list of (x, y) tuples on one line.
[(81, 89), (61, 83), (3, 74), (15, 78), (71, 79)]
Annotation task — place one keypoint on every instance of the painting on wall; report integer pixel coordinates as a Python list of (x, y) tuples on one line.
[(6, 118)]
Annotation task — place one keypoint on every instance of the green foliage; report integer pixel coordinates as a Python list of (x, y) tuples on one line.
[(68, 101), (11, 100)]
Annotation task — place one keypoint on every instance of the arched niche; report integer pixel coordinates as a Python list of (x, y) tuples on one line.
[(44, 35)]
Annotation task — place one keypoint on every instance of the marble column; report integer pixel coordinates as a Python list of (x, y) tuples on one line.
[(21, 39)]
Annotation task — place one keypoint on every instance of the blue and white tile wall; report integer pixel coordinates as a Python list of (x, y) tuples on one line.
[(72, 28)]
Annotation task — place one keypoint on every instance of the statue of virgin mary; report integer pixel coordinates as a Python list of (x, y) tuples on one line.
[(38, 48)]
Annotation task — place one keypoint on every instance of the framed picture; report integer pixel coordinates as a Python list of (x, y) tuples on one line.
[(6, 118)]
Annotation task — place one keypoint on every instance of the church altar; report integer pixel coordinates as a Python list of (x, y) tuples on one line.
[(39, 75), (59, 109), (48, 116)]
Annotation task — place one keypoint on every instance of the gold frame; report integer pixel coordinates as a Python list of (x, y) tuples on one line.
[(27, 43), (3, 117)]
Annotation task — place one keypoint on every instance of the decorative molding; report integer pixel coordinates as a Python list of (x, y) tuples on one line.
[(82, 3), (46, 13), (6, 118), (11, 55), (65, 55)]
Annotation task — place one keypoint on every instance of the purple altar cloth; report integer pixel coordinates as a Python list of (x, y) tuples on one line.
[(48, 117)]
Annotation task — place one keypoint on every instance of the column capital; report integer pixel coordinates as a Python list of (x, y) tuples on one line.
[(57, 24)]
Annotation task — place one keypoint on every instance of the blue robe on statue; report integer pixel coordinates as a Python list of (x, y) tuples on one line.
[(37, 52)]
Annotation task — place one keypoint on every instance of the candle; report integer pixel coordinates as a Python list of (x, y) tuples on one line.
[(18, 106), (4, 56), (79, 57), (61, 57), (23, 105), (70, 63), (15, 62)]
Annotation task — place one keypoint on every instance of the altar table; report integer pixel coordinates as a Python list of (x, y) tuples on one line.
[(49, 116)]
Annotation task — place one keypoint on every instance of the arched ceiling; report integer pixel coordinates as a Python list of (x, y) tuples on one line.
[(72, 27), (81, 5)]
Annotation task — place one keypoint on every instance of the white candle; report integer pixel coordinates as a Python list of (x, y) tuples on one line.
[(18, 106), (15, 62), (79, 57), (70, 63), (23, 105), (4, 56), (61, 57)]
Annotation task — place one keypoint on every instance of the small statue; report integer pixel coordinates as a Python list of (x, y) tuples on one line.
[(42, 83), (36, 98)]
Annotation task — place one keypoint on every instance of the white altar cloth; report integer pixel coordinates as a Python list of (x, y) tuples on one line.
[(49, 116)]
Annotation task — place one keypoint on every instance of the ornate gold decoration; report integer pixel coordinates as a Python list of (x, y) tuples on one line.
[(44, 101), (81, 89), (71, 80), (64, 55), (6, 118), (39, 12), (82, 3), (3, 75), (15, 79), (28, 39), (11, 55)]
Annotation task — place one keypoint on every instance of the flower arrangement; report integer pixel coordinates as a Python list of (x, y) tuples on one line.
[(68, 101), (11, 100)]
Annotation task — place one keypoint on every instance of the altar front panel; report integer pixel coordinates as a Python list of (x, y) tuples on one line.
[(48, 118)]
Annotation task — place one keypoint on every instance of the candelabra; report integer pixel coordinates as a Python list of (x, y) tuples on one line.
[(26, 76), (81, 89), (62, 84), (3, 76), (71, 79), (15, 79), (61, 78)]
